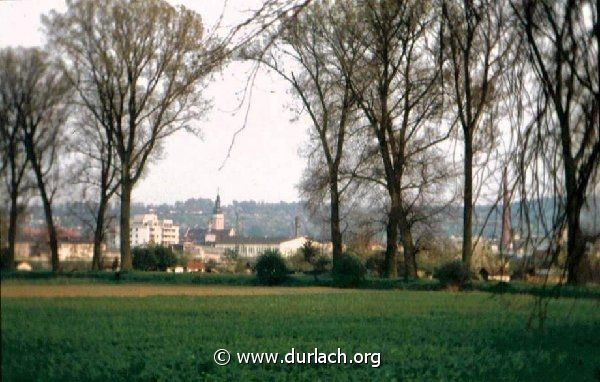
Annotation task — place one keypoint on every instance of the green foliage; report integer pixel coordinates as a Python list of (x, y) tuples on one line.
[(376, 263), (320, 265), (349, 271), (311, 261), (153, 258), (453, 274), (422, 336), (184, 258), (211, 265), (242, 266), (297, 263), (230, 255), (46, 277), (4, 258), (309, 251), (144, 259), (271, 268)]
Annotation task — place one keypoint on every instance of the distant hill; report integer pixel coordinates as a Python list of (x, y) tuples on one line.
[(488, 218), (261, 219), (250, 218)]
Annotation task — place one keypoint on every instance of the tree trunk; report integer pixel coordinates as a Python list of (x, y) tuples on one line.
[(391, 268), (410, 261), (99, 235), (467, 249), (336, 233), (52, 236), (126, 188), (575, 252), (575, 238), (12, 230)]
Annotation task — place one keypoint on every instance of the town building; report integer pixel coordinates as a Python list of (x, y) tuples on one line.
[(149, 229), (216, 228), (215, 231), (252, 247), (211, 243), (32, 250)]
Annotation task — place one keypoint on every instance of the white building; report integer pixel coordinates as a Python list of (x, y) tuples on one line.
[(251, 247), (148, 229)]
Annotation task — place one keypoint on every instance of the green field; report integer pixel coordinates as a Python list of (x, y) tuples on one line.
[(420, 335)]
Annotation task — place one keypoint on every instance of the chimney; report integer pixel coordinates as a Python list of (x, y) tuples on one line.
[(296, 225)]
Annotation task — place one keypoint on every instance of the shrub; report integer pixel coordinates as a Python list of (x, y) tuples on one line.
[(349, 271), (271, 268), (143, 259), (297, 263), (165, 257), (376, 263), (4, 258), (156, 258), (320, 265), (453, 274), (231, 255), (309, 251)]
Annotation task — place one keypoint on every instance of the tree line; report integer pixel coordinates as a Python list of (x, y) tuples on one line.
[(392, 88), (413, 106)]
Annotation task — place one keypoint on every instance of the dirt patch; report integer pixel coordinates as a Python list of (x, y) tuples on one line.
[(133, 290)]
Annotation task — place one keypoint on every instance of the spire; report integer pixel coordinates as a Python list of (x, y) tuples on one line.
[(217, 209)]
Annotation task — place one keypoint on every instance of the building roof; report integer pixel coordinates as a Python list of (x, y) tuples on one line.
[(195, 234), (40, 234), (252, 240), (198, 235), (195, 264)]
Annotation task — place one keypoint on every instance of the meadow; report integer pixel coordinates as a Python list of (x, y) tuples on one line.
[(421, 335)]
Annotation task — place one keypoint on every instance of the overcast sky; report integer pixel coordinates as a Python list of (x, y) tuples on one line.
[(264, 164)]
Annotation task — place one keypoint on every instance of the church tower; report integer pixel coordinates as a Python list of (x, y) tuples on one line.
[(218, 219)]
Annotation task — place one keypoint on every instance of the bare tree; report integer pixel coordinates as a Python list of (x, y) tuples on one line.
[(302, 56), (14, 159), (562, 41), (472, 40), (398, 90), (98, 172), (36, 95), (139, 68)]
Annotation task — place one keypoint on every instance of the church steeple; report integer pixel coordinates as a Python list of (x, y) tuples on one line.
[(218, 219), (217, 209)]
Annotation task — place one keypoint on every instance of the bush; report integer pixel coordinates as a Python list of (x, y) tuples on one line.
[(376, 263), (297, 263), (271, 268), (320, 265), (453, 274), (144, 259), (4, 262), (155, 258), (166, 257), (349, 271)]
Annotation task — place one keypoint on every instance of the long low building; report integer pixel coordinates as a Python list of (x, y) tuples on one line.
[(37, 251), (251, 247)]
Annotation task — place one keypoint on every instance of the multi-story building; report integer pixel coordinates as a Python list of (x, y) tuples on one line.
[(148, 229)]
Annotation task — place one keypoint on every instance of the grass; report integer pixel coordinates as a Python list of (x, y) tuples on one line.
[(421, 336), (297, 280)]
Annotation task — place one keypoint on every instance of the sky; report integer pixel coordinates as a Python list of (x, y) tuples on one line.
[(265, 163)]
